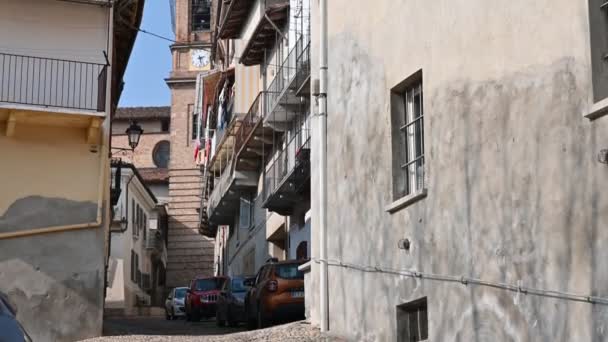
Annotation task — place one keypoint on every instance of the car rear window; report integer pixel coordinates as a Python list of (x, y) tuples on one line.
[(288, 271), (208, 284), (180, 293), (237, 285)]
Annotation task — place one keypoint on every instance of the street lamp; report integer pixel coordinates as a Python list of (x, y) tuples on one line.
[(134, 132)]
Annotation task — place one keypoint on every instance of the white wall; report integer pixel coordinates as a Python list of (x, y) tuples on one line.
[(54, 29)]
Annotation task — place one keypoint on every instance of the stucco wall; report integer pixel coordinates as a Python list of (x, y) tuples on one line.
[(79, 38), (51, 178), (514, 188)]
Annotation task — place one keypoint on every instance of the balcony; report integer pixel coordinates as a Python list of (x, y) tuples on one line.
[(52, 92), (263, 36), (234, 16), (223, 202), (47, 82), (290, 86), (287, 179), (154, 241)]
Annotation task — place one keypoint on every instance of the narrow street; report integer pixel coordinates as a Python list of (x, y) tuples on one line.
[(158, 329)]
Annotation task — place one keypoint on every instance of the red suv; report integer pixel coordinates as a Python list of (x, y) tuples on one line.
[(202, 296)]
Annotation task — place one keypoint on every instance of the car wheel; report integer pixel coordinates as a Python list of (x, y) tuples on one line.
[(218, 319), (251, 321), (262, 322), (229, 320)]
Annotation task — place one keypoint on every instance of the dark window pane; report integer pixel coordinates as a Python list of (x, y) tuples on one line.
[(201, 15), (208, 284)]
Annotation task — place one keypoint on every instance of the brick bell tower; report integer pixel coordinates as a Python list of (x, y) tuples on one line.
[(189, 253)]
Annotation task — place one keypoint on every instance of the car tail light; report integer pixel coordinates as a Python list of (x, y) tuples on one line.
[(272, 285)]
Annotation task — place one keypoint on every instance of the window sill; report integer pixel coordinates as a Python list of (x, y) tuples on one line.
[(405, 201), (597, 110)]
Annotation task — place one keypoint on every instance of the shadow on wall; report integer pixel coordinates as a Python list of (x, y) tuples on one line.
[(53, 273), (514, 194)]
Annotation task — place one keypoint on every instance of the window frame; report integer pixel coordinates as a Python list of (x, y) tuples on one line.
[(196, 28), (408, 143), (405, 313)]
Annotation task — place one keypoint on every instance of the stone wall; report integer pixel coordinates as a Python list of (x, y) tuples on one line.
[(514, 189)]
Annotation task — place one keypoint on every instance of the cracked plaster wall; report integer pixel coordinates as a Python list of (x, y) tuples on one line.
[(514, 189)]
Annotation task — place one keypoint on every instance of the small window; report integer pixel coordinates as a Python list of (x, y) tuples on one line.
[(161, 154), (407, 117), (164, 125), (194, 126), (133, 216), (245, 213), (598, 22), (201, 15), (412, 321), (145, 226)]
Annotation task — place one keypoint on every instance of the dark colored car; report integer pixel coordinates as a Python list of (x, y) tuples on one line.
[(276, 294), (202, 296), (231, 302), (10, 329)]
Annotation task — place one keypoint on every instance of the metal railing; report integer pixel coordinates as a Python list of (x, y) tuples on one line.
[(221, 184), (302, 67), (154, 240), (253, 116), (52, 82), (285, 74), (295, 152)]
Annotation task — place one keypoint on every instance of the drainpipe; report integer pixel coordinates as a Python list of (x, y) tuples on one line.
[(323, 168)]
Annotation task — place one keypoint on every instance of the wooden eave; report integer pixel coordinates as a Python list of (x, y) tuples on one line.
[(237, 12), (264, 35)]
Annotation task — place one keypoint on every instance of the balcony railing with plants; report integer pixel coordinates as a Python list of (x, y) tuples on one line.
[(295, 153), (52, 82)]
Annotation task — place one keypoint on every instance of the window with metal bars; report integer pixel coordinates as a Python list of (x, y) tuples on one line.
[(201, 15), (407, 116), (598, 22), (412, 321)]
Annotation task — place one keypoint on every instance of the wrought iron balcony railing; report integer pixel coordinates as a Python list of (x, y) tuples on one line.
[(295, 153), (52, 82), (253, 116)]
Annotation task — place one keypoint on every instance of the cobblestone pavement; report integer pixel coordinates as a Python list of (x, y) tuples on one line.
[(157, 329)]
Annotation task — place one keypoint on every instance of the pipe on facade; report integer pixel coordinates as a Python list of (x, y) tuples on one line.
[(323, 168), (65, 228)]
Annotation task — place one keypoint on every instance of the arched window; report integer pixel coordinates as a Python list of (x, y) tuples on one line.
[(161, 154), (302, 250)]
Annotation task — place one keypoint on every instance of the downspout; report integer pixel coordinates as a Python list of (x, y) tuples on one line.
[(323, 168)]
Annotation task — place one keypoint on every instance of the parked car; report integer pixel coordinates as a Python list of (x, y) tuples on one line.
[(231, 302), (201, 297), (174, 305), (276, 294), (10, 329)]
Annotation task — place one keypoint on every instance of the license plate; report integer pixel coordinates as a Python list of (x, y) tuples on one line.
[(297, 294)]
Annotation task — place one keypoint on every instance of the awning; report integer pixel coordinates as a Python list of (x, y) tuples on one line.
[(264, 35), (234, 18)]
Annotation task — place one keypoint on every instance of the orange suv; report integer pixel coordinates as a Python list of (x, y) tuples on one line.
[(276, 294)]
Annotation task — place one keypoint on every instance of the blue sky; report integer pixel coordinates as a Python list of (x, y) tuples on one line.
[(150, 61)]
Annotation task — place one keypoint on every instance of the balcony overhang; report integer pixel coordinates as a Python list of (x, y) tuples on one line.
[(292, 189), (225, 147), (227, 206), (13, 116), (256, 146), (237, 12), (264, 35)]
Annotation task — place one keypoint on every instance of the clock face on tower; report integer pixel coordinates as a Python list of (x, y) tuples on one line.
[(200, 58)]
